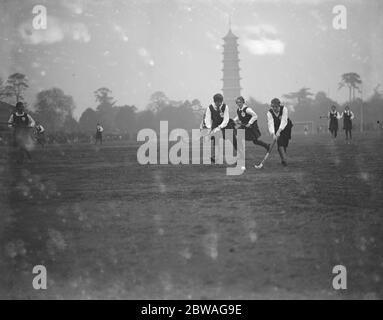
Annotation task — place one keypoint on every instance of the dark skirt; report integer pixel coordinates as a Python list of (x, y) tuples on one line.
[(333, 125), (285, 136), (21, 137), (347, 124), (252, 133), (98, 135)]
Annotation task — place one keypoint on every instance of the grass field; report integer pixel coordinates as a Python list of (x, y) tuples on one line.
[(106, 227)]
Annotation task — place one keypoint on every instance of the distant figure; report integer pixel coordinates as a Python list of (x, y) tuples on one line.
[(280, 127), (247, 118), (334, 116), (347, 116), (99, 131), (40, 134), (21, 122), (306, 130)]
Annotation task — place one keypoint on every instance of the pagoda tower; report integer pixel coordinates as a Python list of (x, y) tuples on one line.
[(231, 79)]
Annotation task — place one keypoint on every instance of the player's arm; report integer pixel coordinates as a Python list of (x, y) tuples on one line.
[(208, 118), (352, 115), (270, 124), (11, 121), (226, 118), (32, 122), (254, 116), (283, 121)]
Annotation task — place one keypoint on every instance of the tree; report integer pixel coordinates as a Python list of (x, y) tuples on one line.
[(105, 110), (321, 106), (377, 96), (70, 125), (158, 101), (53, 106), (145, 119), (103, 97), (88, 120), (15, 87), (352, 81), (302, 96), (125, 118), (2, 93)]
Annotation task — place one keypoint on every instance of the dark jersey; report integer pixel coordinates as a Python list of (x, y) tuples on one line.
[(217, 115), (333, 116), (347, 117), (333, 120), (243, 116), (277, 118), (20, 121), (347, 122)]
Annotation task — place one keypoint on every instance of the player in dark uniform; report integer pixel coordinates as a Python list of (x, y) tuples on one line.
[(217, 119), (347, 116), (99, 131), (333, 117), (21, 122), (280, 127), (247, 119)]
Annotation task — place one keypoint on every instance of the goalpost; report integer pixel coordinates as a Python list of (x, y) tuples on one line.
[(304, 127)]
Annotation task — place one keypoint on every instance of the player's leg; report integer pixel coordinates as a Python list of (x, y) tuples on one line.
[(282, 154), (212, 152), (282, 143), (262, 144)]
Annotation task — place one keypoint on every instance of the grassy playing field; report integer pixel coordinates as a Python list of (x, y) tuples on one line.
[(106, 227)]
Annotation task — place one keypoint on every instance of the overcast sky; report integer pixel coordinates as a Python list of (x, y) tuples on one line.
[(175, 46)]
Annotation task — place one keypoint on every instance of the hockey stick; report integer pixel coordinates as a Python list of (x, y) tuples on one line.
[(260, 166)]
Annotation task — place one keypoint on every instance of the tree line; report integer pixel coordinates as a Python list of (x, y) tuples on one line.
[(54, 108)]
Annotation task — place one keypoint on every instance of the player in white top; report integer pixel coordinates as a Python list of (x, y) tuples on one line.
[(279, 127), (99, 131), (347, 116), (40, 134), (21, 122)]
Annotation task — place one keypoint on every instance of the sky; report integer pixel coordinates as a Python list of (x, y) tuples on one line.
[(137, 47)]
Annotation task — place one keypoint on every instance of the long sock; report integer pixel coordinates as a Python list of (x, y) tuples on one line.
[(282, 153), (261, 143)]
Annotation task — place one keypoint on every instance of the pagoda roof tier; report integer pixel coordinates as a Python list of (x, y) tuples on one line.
[(230, 35)]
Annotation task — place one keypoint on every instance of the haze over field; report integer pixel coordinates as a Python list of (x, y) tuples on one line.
[(138, 47)]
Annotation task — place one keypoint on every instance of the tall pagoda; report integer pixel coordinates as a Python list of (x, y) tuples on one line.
[(231, 79)]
